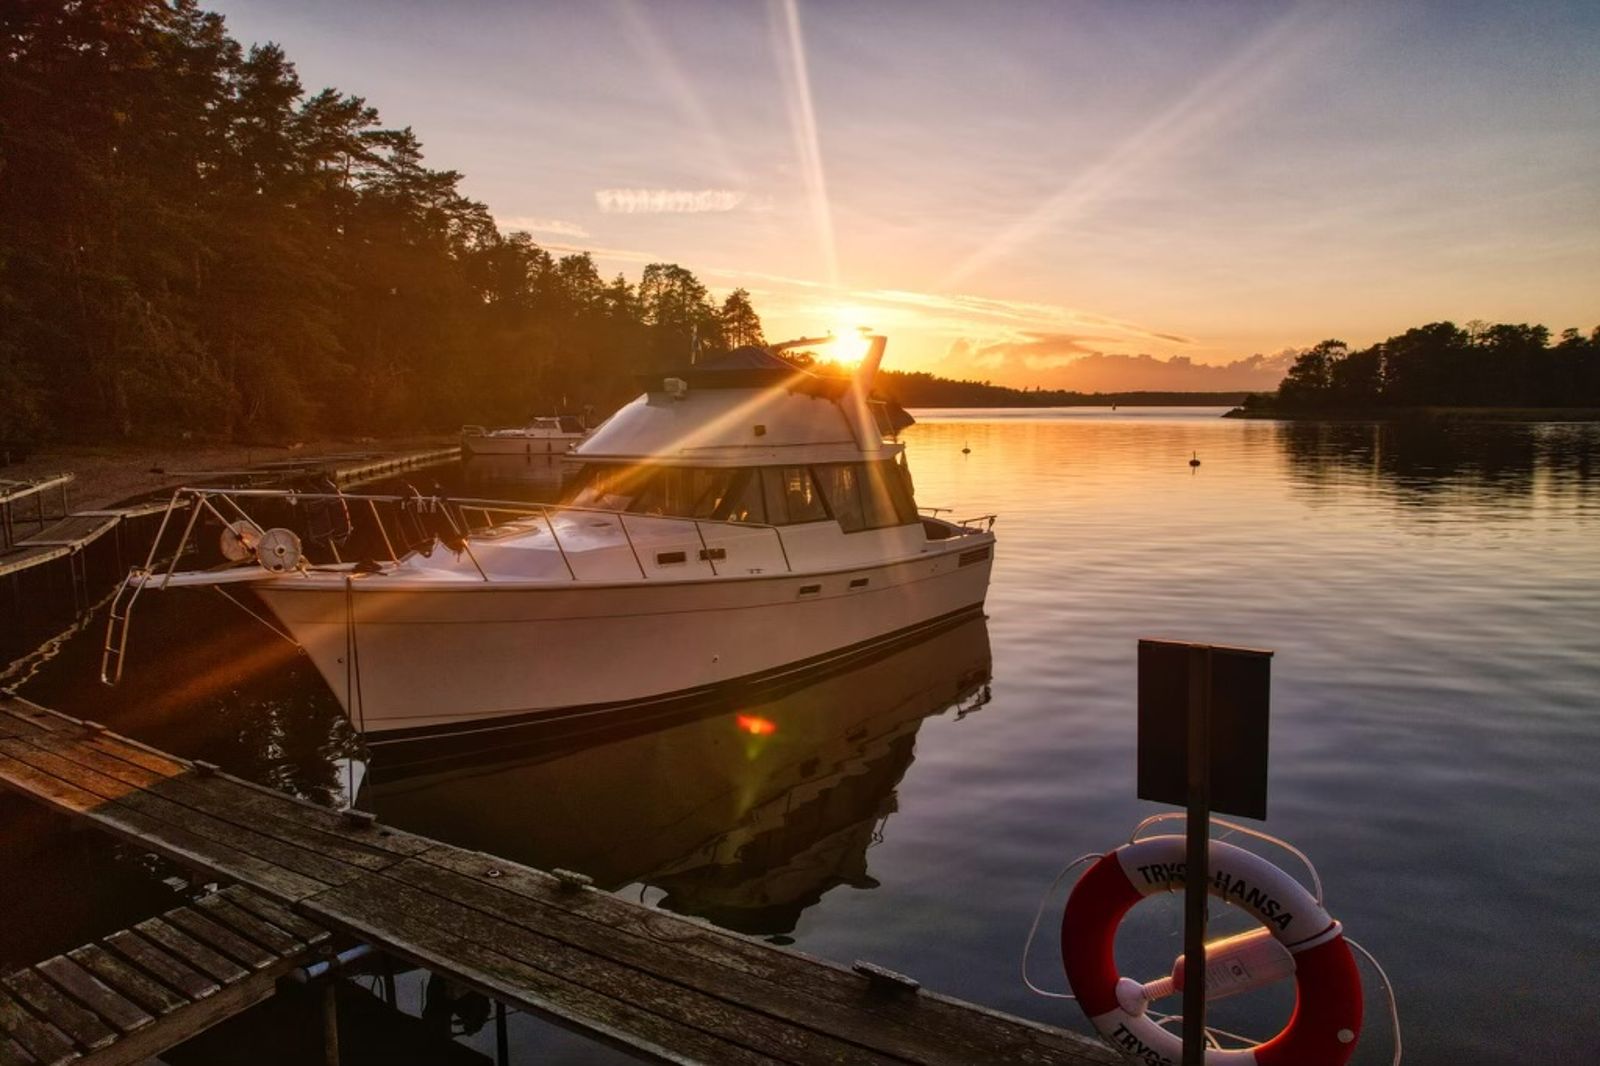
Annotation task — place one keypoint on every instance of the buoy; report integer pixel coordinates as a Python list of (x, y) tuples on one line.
[(966, 450), (1195, 459), (1296, 936)]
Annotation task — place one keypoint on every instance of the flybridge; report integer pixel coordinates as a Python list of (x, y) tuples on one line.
[(750, 405)]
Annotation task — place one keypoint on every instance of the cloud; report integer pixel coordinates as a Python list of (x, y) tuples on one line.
[(1072, 361), (528, 224), (671, 201)]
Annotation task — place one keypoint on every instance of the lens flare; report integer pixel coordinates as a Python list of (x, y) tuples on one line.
[(756, 725)]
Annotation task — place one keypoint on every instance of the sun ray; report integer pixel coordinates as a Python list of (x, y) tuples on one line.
[(1294, 39), (803, 124), (647, 41)]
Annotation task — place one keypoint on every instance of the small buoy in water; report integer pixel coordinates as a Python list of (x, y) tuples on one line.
[(1195, 460), (966, 450)]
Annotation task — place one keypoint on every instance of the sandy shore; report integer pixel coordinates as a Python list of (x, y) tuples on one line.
[(108, 474)]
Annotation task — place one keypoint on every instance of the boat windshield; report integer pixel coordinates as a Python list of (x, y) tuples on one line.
[(856, 495)]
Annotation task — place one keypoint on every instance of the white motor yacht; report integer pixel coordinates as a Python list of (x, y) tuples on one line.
[(550, 435), (740, 520)]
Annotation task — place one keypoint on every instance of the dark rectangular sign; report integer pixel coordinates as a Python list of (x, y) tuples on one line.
[(1240, 680)]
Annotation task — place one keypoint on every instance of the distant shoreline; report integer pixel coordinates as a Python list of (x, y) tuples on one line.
[(1424, 414)]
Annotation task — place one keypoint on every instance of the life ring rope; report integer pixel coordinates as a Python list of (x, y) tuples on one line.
[(1329, 1001), (1305, 860)]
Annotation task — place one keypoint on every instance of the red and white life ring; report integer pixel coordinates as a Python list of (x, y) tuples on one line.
[(1326, 1021)]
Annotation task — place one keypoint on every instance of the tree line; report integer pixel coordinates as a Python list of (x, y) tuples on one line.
[(1444, 365), (191, 242), (921, 389)]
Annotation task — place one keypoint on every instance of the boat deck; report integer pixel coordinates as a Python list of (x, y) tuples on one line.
[(659, 985)]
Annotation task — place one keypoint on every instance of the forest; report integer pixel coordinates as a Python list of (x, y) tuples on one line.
[(1443, 365), (921, 389), (192, 244)]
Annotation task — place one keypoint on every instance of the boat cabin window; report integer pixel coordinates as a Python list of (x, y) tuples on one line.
[(857, 495), (867, 495), (791, 496)]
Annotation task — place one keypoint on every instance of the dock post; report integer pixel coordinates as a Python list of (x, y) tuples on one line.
[(502, 1043), (330, 1022)]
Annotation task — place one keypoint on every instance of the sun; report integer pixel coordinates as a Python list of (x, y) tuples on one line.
[(850, 329)]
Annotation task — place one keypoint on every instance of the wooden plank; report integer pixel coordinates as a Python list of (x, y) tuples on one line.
[(85, 1030), (298, 819), (47, 787), (171, 971), (191, 951), (220, 937), (141, 988), (43, 1041), (686, 1004), (283, 918), (86, 988), (36, 771), (611, 1020), (40, 718), (72, 764), (927, 1026), (11, 1053), (172, 841), (269, 936), (773, 1006), (128, 751), (17, 561), (136, 1049)]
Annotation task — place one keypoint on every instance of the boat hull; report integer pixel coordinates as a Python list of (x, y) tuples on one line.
[(410, 662)]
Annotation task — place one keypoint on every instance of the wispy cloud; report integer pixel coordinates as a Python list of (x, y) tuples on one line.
[(1076, 361), (673, 201), (529, 224)]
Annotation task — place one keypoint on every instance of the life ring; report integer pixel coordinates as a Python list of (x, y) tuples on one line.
[(1326, 1021)]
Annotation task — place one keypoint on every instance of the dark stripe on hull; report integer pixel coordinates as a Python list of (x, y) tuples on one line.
[(428, 746)]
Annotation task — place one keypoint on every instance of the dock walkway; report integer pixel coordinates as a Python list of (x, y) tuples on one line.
[(67, 534), (140, 991), (662, 986)]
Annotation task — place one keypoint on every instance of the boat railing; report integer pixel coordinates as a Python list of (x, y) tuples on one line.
[(396, 525), (398, 532)]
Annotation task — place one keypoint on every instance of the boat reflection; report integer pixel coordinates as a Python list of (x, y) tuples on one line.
[(744, 814)]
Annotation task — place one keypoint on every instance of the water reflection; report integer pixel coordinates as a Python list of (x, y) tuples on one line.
[(746, 814), (518, 476), (1436, 460)]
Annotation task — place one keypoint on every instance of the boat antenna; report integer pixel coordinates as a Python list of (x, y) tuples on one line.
[(694, 343)]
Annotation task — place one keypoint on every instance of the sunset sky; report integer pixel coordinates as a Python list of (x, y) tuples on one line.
[(1094, 195)]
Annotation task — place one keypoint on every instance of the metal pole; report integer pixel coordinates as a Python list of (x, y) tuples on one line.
[(502, 1042), (389, 996), (1197, 862)]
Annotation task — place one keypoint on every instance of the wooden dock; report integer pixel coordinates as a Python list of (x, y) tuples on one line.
[(140, 991), (361, 470), (661, 986), (66, 534), (14, 492)]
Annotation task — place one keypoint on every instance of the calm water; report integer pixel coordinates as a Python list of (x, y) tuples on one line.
[(1433, 597)]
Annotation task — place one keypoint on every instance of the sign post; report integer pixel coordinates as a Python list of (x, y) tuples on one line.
[(1203, 746)]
